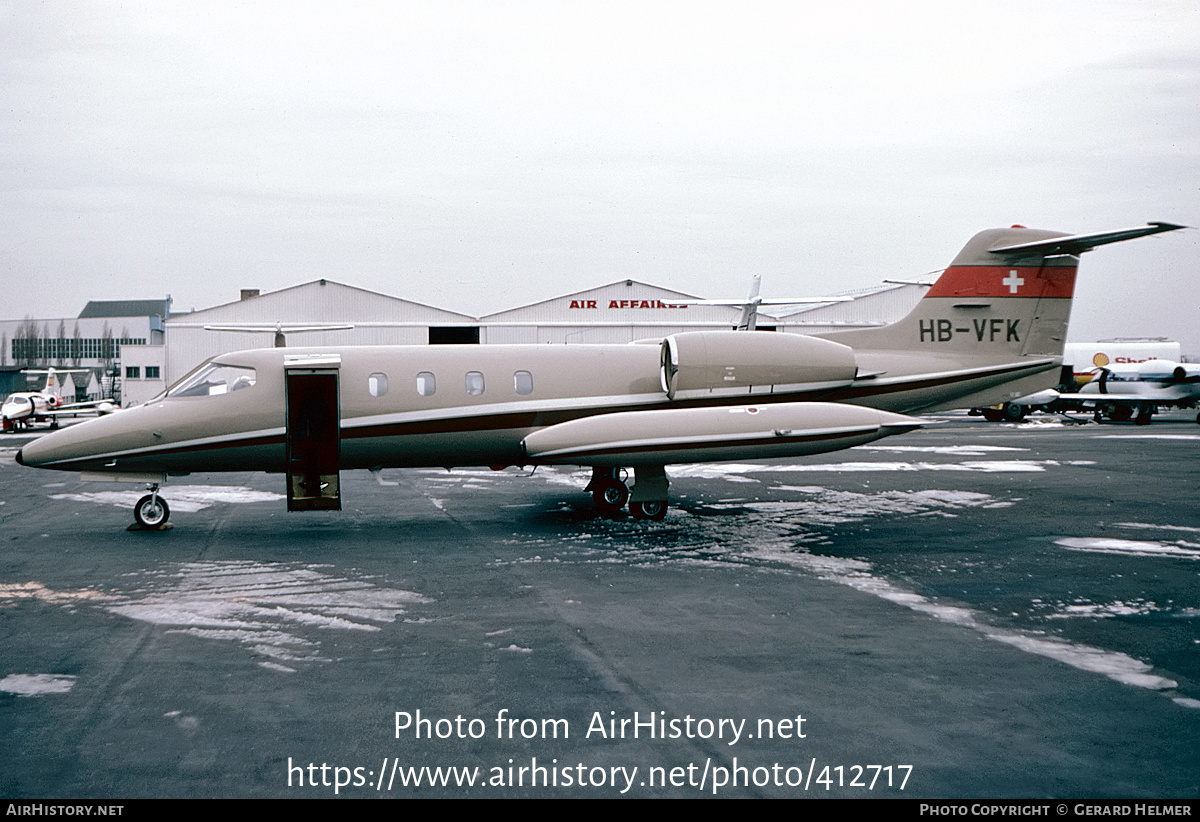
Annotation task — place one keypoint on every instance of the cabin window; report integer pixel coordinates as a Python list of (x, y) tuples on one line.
[(213, 378), (474, 383), (523, 382), (377, 384), (426, 384)]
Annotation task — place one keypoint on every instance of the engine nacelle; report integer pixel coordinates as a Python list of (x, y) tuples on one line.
[(1165, 370), (735, 363)]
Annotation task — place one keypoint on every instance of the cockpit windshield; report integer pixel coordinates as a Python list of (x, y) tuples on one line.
[(213, 378)]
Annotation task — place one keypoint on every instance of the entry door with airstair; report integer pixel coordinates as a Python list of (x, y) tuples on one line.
[(313, 437)]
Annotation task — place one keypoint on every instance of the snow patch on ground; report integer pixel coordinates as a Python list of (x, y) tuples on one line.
[(36, 684), (952, 450), (777, 535), (281, 612), (1105, 545), (189, 498)]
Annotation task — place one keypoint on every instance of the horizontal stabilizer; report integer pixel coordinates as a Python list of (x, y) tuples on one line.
[(1079, 243)]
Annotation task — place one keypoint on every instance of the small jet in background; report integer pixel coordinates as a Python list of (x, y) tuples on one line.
[(24, 408), (1143, 387), (1113, 379)]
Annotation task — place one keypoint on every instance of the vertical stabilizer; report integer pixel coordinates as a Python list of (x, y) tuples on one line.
[(1006, 295)]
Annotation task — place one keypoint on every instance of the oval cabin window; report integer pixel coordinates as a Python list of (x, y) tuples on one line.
[(474, 383), (426, 384), (377, 384)]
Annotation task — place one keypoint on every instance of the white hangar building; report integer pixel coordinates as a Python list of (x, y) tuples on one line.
[(377, 319), (619, 312), (629, 310), (867, 308)]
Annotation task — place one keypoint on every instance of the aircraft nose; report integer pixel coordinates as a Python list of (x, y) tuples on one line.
[(32, 454)]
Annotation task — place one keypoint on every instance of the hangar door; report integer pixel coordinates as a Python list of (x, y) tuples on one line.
[(313, 437)]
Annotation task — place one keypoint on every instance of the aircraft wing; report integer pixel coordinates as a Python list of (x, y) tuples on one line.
[(81, 409), (1131, 399), (1079, 243), (1102, 398)]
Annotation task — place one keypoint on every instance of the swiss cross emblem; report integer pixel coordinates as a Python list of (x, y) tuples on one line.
[(1013, 281)]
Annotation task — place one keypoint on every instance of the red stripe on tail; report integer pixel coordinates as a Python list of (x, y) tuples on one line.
[(1005, 281)]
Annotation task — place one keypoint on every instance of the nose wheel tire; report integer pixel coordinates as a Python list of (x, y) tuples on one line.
[(649, 509), (151, 511)]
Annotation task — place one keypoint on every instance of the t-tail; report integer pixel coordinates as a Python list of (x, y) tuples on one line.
[(53, 384), (999, 311)]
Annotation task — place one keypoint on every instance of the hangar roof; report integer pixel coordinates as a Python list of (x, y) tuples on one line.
[(322, 301), (624, 301), (876, 305), (125, 308)]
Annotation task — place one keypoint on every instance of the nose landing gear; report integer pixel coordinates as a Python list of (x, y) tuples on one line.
[(152, 511)]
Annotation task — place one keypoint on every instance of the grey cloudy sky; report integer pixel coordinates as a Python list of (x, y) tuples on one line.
[(480, 155)]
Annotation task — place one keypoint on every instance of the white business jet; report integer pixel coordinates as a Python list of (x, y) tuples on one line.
[(23, 409), (991, 329)]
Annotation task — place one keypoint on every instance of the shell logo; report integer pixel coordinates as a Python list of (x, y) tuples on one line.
[(1100, 360)]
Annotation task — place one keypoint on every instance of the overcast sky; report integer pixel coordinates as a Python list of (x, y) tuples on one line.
[(481, 155)]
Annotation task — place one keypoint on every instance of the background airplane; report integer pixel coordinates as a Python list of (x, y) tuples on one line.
[(22, 409), (753, 302), (991, 329), (1114, 379), (1117, 393)]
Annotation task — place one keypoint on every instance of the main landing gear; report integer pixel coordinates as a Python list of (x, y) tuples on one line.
[(608, 491), (1125, 413), (649, 497), (152, 511)]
